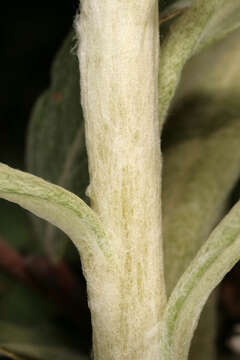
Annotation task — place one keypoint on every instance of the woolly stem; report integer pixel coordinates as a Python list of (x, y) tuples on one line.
[(118, 55)]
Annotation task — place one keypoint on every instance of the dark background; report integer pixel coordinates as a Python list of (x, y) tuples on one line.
[(30, 34)]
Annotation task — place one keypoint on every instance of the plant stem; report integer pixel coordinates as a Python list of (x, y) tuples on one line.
[(118, 54)]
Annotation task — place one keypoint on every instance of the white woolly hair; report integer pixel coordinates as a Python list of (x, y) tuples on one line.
[(118, 56)]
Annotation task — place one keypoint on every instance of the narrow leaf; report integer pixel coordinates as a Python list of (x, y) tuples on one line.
[(225, 20), (55, 146), (173, 10), (60, 207), (179, 45), (7, 355), (214, 72), (201, 167), (216, 257), (168, 5)]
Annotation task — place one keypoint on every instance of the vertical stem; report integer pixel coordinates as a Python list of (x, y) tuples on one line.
[(118, 55)]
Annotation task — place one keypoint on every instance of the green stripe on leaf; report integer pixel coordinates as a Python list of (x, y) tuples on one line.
[(58, 206), (216, 257)]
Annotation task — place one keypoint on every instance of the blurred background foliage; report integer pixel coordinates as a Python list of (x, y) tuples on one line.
[(43, 306)]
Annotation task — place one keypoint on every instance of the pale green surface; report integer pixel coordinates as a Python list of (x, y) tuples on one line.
[(216, 257), (77, 220), (179, 45), (201, 161), (55, 141), (226, 20), (200, 169), (56, 205), (214, 72), (201, 150), (205, 22)]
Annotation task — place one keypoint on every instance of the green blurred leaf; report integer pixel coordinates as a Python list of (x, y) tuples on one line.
[(56, 148), (215, 258), (20, 305), (204, 22), (226, 20), (165, 5), (39, 342), (31, 328), (174, 7), (178, 46), (201, 167), (7, 355), (214, 72), (15, 226)]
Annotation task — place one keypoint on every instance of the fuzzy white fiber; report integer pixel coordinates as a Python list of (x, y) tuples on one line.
[(118, 55)]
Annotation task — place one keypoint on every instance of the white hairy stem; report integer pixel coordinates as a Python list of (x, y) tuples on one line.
[(118, 55)]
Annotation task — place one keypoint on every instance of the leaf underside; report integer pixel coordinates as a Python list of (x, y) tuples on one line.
[(56, 147), (216, 257)]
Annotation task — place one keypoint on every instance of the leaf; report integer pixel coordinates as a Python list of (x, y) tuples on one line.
[(167, 5), (200, 168), (226, 20), (7, 355), (198, 26), (173, 9), (56, 148), (216, 257), (58, 206), (14, 226), (39, 342), (22, 305), (214, 72), (31, 327)]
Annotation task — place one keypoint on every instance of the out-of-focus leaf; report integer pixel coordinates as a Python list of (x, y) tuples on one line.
[(30, 326), (201, 166), (203, 346), (179, 45), (204, 22), (226, 20), (20, 305), (215, 71), (206, 108), (56, 148), (39, 342), (7, 355), (214, 259), (166, 5), (14, 226), (173, 9), (228, 357)]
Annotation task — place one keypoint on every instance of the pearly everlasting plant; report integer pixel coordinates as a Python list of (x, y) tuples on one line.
[(138, 240)]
